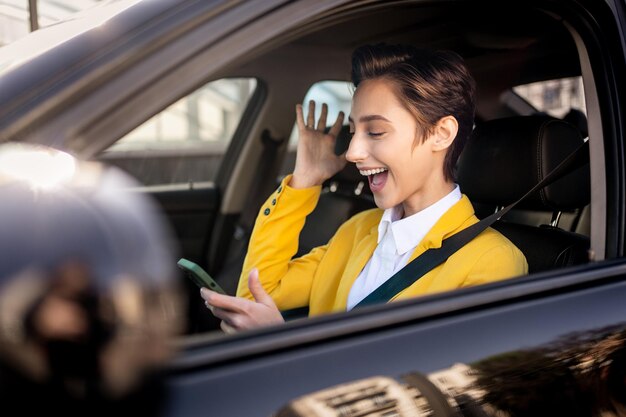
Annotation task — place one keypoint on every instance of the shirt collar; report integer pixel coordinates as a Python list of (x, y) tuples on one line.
[(409, 232)]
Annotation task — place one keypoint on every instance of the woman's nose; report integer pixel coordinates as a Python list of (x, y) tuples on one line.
[(356, 150)]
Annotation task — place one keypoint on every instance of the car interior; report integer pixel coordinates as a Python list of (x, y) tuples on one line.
[(515, 143)]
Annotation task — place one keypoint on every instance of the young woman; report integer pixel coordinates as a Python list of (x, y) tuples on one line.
[(412, 113)]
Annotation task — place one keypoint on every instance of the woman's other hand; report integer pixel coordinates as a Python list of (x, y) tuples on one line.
[(316, 160), (239, 313)]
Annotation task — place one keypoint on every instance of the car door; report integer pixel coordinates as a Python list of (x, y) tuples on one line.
[(545, 344)]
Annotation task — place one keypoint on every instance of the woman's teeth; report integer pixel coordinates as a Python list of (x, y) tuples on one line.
[(368, 172)]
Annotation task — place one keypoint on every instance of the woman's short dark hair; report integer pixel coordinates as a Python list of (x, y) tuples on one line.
[(431, 84)]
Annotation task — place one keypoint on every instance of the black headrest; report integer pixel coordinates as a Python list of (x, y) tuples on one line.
[(505, 158), (579, 120)]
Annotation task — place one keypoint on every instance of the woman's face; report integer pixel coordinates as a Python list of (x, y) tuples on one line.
[(400, 167)]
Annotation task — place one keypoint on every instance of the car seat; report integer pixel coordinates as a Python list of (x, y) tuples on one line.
[(344, 195), (504, 159)]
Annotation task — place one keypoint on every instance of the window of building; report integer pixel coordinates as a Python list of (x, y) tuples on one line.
[(19, 17), (14, 20), (554, 97), (51, 11)]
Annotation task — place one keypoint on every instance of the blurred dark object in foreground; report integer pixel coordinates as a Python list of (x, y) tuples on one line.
[(88, 290)]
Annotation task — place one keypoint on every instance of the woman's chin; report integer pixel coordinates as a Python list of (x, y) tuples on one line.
[(382, 202)]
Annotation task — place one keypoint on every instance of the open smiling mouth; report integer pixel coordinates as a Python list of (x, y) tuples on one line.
[(377, 177)]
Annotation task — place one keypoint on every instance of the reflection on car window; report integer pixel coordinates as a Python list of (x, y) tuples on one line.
[(59, 26), (554, 97), (186, 141)]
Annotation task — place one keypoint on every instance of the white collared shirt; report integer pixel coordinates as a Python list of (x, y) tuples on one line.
[(397, 240)]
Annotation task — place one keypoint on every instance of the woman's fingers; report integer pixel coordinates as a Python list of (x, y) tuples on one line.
[(321, 123), (310, 118), (223, 301), (226, 315), (334, 131), (299, 117), (227, 328), (256, 315), (240, 313), (232, 320), (257, 290), (316, 160)]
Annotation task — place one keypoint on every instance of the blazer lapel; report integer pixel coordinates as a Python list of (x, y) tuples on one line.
[(360, 256), (457, 218)]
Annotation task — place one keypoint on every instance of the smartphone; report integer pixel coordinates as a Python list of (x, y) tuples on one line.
[(199, 275)]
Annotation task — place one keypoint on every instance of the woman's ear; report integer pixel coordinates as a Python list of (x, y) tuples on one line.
[(445, 132)]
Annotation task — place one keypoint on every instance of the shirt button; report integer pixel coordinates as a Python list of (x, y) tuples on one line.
[(266, 212), (279, 189), (274, 202)]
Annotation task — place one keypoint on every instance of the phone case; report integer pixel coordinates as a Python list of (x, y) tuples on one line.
[(199, 275)]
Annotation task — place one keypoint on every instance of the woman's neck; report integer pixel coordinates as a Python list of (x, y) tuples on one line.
[(426, 198)]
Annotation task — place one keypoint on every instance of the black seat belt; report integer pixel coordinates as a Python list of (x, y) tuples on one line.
[(431, 258)]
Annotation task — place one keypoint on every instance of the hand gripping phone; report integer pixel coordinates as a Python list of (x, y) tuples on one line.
[(199, 275)]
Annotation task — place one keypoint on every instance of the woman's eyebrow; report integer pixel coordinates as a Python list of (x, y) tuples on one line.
[(369, 118)]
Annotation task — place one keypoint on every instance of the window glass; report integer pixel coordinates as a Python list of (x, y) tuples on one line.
[(15, 15), (51, 11), (186, 141), (554, 97), (14, 20), (78, 15)]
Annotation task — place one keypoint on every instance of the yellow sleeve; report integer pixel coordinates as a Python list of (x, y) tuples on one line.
[(500, 262), (274, 241)]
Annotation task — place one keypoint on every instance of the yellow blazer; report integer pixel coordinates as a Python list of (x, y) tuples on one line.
[(323, 278)]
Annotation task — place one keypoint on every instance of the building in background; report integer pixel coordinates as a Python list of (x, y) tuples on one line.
[(19, 17)]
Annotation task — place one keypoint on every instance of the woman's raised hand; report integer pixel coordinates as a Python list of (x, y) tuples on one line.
[(315, 159)]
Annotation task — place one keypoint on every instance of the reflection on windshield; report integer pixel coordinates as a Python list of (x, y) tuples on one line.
[(44, 39)]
